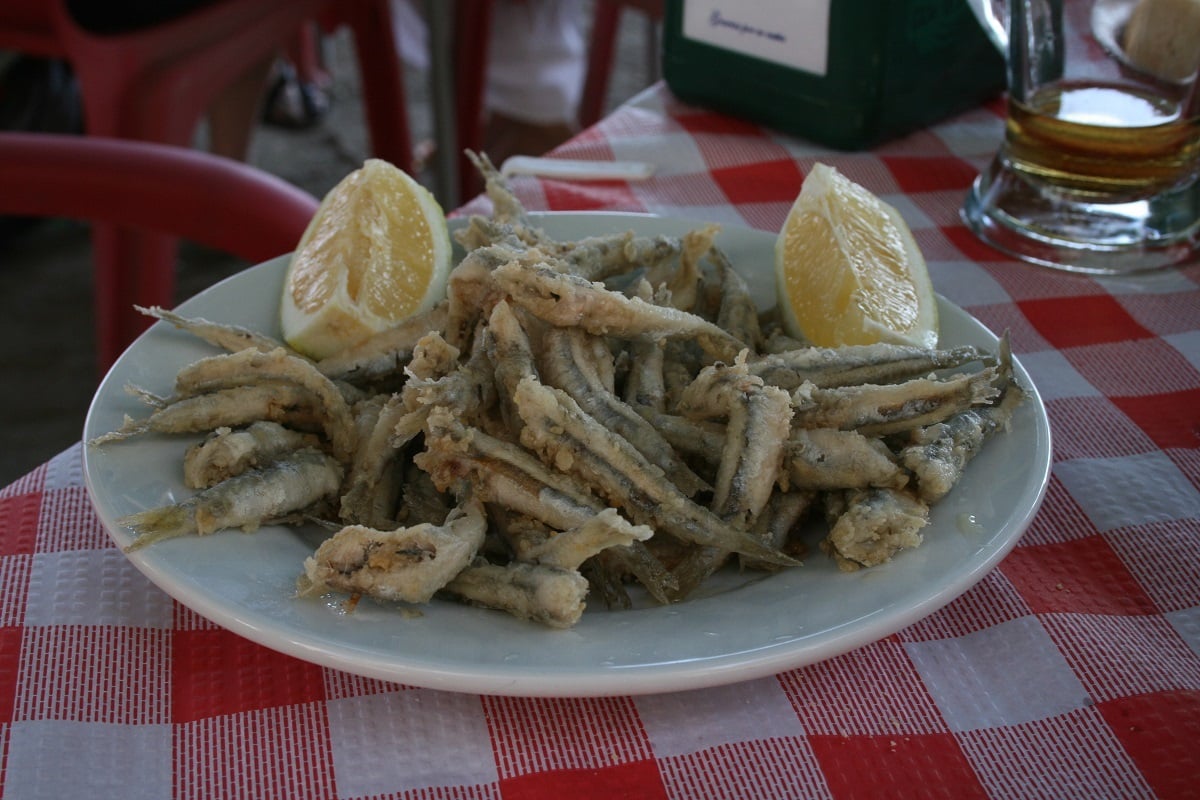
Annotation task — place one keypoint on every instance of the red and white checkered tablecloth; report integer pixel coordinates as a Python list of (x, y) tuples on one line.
[(1070, 671)]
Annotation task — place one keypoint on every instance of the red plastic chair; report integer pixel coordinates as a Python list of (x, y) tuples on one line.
[(472, 23), (381, 74), (606, 19), (215, 201), (155, 83), (151, 84)]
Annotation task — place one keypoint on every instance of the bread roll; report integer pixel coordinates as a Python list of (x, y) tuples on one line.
[(1162, 37)]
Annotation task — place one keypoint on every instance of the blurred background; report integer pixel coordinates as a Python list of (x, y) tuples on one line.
[(47, 351)]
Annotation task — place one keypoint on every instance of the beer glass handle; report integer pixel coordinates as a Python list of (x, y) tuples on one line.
[(1033, 60), (1038, 58), (992, 18)]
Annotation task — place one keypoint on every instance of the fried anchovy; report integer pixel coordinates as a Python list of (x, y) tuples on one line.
[(605, 549), (407, 564), (678, 371), (227, 337), (599, 257), (777, 342), (432, 358), (828, 459), (564, 435), (874, 525), (784, 511), (481, 231), (570, 548), (511, 355), (636, 559), (937, 454), (386, 425), (758, 419), (604, 362), (644, 385), (696, 567), (298, 481), (420, 499), (548, 595), (286, 404), (566, 365), (694, 438), (227, 452), (522, 534), (472, 291), (680, 289), (880, 410), (385, 353), (594, 257), (737, 313), (566, 300), (506, 208), (772, 526), (502, 473), (606, 580), (249, 367), (469, 389), (857, 364)]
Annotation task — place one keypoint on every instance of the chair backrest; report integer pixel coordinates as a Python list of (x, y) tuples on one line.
[(27, 26), (214, 201), (155, 82)]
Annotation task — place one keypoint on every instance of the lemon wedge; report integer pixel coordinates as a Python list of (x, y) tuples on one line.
[(848, 270), (376, 252)]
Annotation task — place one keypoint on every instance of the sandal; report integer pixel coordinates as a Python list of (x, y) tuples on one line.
[(293, 104)]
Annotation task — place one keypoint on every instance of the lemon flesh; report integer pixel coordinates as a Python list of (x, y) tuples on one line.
[(376, 252), (848, 271)]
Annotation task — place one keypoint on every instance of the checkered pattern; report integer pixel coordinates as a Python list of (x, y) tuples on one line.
[(1070, 671)]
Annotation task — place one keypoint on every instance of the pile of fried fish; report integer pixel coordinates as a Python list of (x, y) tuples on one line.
[(610, 415)]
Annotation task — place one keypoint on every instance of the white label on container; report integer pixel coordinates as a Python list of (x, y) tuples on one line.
[(794, 33)]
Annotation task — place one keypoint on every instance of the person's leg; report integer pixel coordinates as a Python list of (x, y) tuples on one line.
[(234, 113), (536, 63), (535, 75), (411, 33)]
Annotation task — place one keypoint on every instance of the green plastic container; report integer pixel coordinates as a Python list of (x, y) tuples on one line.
[(847, 74)]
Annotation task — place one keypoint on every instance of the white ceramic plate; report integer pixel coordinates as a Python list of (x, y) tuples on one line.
[(741, 627)]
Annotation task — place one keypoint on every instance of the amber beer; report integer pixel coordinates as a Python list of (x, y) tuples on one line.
[(1115, 141), (1099, 171)]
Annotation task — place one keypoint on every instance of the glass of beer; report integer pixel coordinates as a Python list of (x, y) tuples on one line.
[(1099, 171)]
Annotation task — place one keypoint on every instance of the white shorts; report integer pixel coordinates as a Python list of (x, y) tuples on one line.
[(536, 56)]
